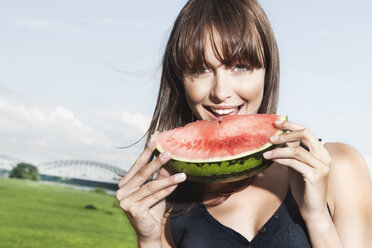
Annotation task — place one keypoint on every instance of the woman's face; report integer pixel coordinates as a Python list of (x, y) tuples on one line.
[(219, 91)]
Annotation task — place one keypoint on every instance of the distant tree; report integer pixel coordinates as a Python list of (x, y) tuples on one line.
[(25, 171)]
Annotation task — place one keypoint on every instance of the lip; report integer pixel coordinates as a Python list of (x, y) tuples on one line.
[(223, 107), (219, 118)]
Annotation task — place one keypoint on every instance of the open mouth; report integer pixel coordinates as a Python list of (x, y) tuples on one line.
[(217, 113)]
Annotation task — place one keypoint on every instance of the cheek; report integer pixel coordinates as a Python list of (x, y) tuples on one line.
[(252, 90), (195, 92)]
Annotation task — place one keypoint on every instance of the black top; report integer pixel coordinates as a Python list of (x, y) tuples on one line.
[(198, 228)]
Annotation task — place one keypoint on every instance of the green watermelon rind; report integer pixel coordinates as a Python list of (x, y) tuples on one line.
[(222, 171)]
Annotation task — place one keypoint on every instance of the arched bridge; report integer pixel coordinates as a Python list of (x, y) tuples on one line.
[(82, 169)]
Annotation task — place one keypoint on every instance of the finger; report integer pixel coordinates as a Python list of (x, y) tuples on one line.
[(163, 173), (151, 200), (297, 153), (298, 166), (145, 172), (123, 192), (287, 125), (135, 182), (311, 175), (155, 186), (142, 160), (303, 135)]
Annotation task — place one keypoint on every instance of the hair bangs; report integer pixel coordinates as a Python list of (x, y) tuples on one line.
[(233, 38)]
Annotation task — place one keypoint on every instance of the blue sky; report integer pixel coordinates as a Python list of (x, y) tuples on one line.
[(79, 78)]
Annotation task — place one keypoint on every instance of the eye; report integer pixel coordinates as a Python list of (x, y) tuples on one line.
[(241, 68), (203, 71)]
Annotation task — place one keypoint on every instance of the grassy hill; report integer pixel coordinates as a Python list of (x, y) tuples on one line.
[(37, 215)]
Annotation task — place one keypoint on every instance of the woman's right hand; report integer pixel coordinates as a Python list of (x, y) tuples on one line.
[(144, 204)]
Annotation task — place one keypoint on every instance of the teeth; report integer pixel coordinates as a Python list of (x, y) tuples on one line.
[(223, 111)]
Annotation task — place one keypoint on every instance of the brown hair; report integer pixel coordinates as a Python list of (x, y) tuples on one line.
[(245, 36)]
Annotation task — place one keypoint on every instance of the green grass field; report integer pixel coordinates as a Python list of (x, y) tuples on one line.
[(38, 215)]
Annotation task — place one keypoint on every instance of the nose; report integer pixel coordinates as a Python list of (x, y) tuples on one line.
[(222, 87)]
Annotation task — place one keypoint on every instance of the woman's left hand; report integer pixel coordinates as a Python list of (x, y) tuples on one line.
[(308, 169)]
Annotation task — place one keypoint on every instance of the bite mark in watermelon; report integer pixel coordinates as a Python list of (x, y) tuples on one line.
[(220, 151)]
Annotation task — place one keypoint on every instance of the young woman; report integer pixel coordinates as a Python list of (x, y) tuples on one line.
[(222, 55)]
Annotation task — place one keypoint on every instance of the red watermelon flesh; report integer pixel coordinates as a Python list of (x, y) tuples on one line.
[(235, 136)]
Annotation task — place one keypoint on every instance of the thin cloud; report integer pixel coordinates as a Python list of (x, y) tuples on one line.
[(40, 134), (37, 116), (107, 20), (131, 71), (141, 24), (135, 120), (6, 89), (47, 25)]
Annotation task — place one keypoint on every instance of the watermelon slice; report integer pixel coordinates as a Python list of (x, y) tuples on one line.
[(220, 151)]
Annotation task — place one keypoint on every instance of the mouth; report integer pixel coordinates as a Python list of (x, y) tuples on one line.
[(216, 113)]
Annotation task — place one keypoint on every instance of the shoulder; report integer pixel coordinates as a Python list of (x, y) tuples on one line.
[(340, 150), (349, 192), (348, 168), (346, 162)]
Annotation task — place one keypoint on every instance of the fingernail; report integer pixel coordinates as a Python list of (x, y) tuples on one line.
[(267, 154), (179, 177), (165, 155), (279, 122), (274, 138)]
